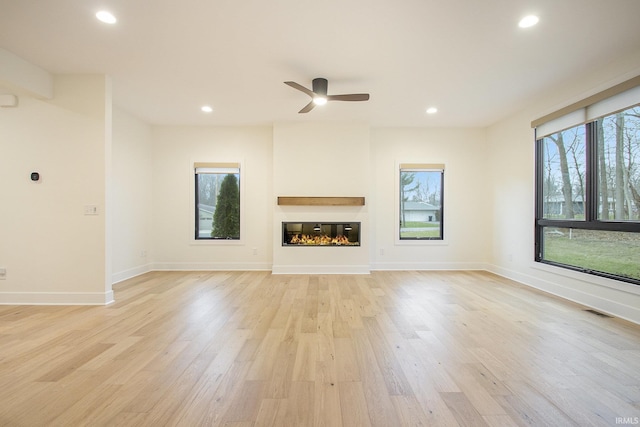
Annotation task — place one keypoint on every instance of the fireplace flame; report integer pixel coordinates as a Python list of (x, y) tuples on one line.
[(305, 239)]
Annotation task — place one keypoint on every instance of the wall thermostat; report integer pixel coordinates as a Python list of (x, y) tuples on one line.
[(35, 176)]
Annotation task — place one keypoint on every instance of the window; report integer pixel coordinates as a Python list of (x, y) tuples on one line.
[(217, 201), (588, 195), (420, 199)]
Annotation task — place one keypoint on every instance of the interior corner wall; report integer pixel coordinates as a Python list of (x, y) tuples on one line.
[(175, 150), (466, 198), (132, 188), (511, 163), (52, 252)]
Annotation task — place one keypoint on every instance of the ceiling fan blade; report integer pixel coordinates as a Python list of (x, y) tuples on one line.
[(350, 97), (307, 107), (300, 88)]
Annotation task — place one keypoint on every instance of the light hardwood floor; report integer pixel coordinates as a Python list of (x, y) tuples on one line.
[(254, 349)]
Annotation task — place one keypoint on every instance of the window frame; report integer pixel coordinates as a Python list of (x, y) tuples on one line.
[(591, 220), (193, 228), (424, 167)]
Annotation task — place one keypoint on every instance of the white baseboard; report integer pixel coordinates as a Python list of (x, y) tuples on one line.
[(211, 266), (320, 269), (130, 273), (418, 266), (598, 302), (56, 298)]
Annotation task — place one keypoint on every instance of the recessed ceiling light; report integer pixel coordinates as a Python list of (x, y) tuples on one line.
[(432, 110), (106, 17), (207, 109), (528, 21)]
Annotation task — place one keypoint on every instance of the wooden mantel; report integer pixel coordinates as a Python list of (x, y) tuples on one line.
[(320, 201)]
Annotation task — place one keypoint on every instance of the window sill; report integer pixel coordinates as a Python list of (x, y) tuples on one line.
[(419, 242), (213, 242)]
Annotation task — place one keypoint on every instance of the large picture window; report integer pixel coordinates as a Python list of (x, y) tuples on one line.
[(217, 201), (420, 202), (588, 196)]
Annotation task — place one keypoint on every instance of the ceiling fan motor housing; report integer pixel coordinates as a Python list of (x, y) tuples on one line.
[(320, 86)]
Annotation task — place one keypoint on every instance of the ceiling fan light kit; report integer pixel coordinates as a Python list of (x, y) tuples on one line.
[(319, 94)]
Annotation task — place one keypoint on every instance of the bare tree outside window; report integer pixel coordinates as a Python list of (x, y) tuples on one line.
[(564, 174), (619, 160)]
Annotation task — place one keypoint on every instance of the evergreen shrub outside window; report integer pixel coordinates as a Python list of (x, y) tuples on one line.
[(217, 201)]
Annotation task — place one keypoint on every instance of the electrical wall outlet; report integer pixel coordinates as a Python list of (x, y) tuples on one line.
[(91, 210), (3, 273), (8, 100)]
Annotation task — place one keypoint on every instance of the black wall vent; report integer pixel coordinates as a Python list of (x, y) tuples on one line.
[(597, 313)]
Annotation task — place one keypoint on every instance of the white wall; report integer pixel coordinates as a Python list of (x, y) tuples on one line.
[(320, 159), (132, 196), (54, 253), (313, 159), (511, 148), (467, 204), (175, 149)]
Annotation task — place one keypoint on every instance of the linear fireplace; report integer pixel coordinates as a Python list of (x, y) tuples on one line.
[(320, 234)]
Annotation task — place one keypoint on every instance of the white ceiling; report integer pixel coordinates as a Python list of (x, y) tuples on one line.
[(467, 57)]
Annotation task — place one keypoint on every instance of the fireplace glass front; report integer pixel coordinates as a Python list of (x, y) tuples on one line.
[(320, 234)]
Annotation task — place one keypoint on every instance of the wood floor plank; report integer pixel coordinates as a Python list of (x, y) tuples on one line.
[(354, 402), (391, 348), (271, 413), (300, 408), (392, 373), (499, 421), (347, 368), (304, 368), (409, 411), (327, 409), (207, 403), (376, 391), (530, 406), (424, 379), (246, 409), (266, 356), (474, 391), (72, 364), (101, 404), (464, 411), (279, 385), (197, 383)]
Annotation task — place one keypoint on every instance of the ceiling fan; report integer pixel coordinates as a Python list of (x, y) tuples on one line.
[(319, 94)]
